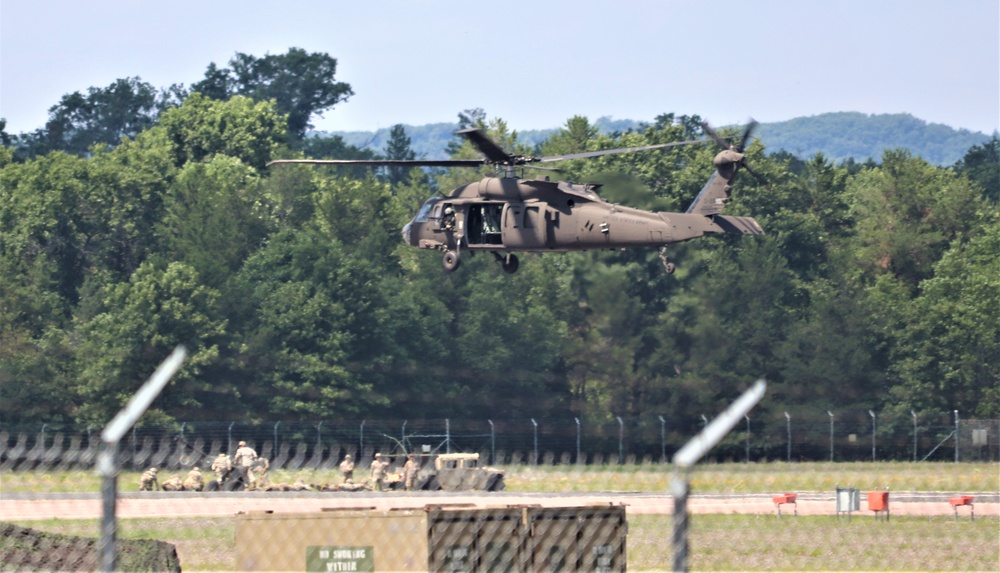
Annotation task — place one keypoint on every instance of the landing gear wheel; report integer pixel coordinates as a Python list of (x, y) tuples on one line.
[(667, 265), (510, 264), (451, 260)]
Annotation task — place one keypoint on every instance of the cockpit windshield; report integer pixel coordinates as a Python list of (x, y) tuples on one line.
[(425, 212)]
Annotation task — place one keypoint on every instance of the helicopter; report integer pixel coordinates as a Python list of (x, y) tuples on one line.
[(505, 214)]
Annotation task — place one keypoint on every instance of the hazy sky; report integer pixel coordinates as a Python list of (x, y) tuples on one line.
[(534, 64)]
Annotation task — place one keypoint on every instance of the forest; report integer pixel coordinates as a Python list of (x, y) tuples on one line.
[(140, 218)]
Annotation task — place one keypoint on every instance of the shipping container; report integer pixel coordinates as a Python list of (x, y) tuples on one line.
[(517, 539)]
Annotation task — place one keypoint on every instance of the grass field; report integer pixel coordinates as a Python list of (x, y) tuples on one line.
[(717, 543)]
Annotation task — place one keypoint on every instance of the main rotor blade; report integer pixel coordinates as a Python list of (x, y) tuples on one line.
[(757, 175), (715, 136), (385, 162), (746, 134), (586, 154), (487, 146)]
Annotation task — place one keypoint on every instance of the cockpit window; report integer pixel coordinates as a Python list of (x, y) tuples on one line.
[(425, 212)]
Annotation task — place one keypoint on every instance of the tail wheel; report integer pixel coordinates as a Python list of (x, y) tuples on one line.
[(451, 260)]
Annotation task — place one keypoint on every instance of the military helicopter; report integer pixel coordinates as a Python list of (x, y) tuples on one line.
[(505, 214)]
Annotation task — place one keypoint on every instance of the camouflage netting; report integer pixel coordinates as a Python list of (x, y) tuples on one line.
[(26, 549)]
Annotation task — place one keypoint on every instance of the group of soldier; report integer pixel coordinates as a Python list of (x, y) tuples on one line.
[(251, 467), (254, 468), (379, 471), (193, 482)]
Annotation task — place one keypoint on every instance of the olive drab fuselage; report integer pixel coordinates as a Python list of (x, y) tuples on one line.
[(516, 215)]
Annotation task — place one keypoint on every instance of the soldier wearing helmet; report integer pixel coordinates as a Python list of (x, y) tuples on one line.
[(347, 468), (410, 470), (244, 459), (221, 466), (148, 482), (194, 481), (378, 468)]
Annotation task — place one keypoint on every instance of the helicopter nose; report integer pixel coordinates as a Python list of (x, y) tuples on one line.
[(406, 233)]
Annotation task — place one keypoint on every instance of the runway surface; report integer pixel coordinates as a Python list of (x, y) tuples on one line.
[(32, 506)]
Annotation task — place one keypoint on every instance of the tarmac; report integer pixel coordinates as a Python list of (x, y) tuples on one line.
[(35, 506)]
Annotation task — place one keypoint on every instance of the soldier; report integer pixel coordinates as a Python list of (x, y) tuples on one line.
[(222, 465), (148, 480), (347, 468), (410, 469), (258, 472), (173, 483), (244, 458), (194, 481), (378, 472), (300, 485)]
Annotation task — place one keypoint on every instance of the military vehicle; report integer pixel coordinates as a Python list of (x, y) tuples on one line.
[(506, 214), (454, 472)]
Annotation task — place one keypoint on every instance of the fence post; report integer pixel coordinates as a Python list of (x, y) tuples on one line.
[(831, 434), (274, 454), (788, 425), (872, 414), (663, 439), (535, 424), (577, 420), (956, 436), (361, 451), (621, 440), (914, 414), (748, 437), (689, 455), (107, 461), (493, 443)]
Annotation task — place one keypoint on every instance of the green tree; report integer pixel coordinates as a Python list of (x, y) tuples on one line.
[(101, 116), (398, 148), (43, 238), (906, 213), (302, 84), (214, 218), (948, 355), (201, 127), (573, 138), (982, 164), (138, 324)]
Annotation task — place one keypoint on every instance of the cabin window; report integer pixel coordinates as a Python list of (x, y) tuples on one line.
[(425, 211)]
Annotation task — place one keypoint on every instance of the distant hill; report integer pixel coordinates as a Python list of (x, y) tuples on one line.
[(856, 135), (838, 136)]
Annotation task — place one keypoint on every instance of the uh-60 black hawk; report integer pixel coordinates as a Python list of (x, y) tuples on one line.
[(505, 214)]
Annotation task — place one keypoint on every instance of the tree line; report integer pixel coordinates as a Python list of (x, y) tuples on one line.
[(140, 219)]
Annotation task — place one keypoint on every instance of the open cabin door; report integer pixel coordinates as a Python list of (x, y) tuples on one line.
[(484, 225)]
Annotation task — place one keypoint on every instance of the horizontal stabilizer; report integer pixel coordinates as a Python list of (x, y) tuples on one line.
[(738, 225)]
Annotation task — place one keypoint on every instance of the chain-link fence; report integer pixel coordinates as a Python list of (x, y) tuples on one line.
[(342, 525), (864, 436)]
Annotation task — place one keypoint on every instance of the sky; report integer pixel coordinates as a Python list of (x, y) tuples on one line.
[(534, 64)]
